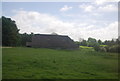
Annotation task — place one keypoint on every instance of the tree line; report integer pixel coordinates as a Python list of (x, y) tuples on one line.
[(105, 46), (12, 37), (91, 42)]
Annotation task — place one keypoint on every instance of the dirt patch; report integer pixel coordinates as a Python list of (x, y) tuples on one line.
[(6, 47)]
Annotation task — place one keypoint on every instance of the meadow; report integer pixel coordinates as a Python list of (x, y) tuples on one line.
[(43, 63)]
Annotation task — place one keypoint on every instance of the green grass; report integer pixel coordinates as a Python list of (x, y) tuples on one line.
[(103, 45), (85, 47), (41, 63)]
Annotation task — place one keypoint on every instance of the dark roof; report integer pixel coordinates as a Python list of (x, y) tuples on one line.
[(50, 35), (52, 41)]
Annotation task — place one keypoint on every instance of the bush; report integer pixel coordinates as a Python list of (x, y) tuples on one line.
[(103, 49), (114, 48), (96, 47), (100, 48)]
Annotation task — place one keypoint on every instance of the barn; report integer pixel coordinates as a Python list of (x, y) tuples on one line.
[(52, 41)]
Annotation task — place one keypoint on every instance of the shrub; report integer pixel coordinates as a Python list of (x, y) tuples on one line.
[(96, 47), (103, 49), (100, 48), (113, 48)]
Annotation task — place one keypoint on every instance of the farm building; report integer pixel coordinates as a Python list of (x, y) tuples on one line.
[(51, 41)]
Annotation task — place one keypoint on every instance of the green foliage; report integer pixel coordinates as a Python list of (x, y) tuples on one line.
[(100, 48), (76, 42), (83, 43), (113, 45), (41, 63), (103, 45), (113, 48), (11, 37), (25, 38), (9, 32), (92, 42), (91, 39), (97, 47), (109, 46), (99, 41), (107, 42)]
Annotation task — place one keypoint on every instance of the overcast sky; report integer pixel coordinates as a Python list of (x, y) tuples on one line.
[(75, 19)]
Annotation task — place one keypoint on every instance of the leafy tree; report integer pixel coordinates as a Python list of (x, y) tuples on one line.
[(99, 41), (92, 42), (25, 38), (97, 47), (10, 32), (83, 43), (107, 42), (91, 39)]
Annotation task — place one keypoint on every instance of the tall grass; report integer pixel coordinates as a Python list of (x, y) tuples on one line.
[(42, 63)]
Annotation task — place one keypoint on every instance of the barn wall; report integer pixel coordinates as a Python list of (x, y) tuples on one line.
[(53, 41)]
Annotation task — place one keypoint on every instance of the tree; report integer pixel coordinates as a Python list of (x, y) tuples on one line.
[(91, 39), (83, 43), (99, 41), (92, 42), (25, 38), (10, 32)]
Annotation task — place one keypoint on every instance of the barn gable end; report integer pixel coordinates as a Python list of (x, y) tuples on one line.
[(51, 41)]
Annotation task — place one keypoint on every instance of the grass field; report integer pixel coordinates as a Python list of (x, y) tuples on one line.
[(41, 63)]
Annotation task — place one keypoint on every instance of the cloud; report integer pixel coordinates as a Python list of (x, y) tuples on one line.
[(65, 8), (108, 8), (87, 8), (108, 32), (100, 2), (105, 33), (101, 8), (31, 21)]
